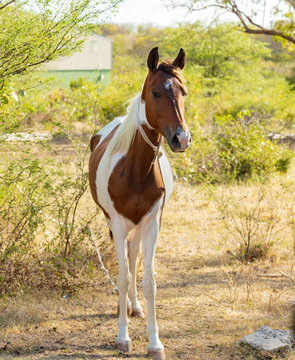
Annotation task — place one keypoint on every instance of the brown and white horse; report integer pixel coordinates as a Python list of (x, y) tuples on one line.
[(131, 180)]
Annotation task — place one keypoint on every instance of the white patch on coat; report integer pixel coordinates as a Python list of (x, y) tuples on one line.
[(142, 114), (103, 173), (166, 174), (104, 132), (168, 84)]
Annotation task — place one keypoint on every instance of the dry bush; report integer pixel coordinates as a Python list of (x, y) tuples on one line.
[(252, 220), (45, 214), (239, 283)]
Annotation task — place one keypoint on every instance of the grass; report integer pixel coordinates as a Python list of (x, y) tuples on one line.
[(206, 299)]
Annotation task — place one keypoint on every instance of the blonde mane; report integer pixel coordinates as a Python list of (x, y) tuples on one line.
[(125, 134)]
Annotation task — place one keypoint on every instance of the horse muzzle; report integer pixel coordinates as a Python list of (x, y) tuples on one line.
[(180, 141)]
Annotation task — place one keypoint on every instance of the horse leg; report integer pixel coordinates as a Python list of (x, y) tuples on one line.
[(123, 342), (133, 249), (155, 348)]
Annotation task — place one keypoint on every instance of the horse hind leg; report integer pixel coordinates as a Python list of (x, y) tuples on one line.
[(133, 249), (129, 308), (133, 306)]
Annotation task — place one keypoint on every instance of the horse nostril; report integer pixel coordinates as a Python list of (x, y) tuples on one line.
[(175, 142)]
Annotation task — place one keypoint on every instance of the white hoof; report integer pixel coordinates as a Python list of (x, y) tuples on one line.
[(156, 354), (123, 346)]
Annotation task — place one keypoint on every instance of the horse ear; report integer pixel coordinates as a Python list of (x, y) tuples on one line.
[(153, 59), (180, 59)]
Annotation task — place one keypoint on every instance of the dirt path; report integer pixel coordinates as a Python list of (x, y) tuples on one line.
[(204, 304)]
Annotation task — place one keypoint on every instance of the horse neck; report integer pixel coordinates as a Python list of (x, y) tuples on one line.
[(141, 155)]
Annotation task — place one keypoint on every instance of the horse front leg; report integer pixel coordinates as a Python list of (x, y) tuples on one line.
[(133, 249), (123, 342), (155, 348)]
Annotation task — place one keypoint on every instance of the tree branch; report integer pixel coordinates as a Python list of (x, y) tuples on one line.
[(291, 3), (250, 26), (8, 3)]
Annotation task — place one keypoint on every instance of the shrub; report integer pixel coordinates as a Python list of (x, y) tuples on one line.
[(42, 224), (252, 222), (233, 150)]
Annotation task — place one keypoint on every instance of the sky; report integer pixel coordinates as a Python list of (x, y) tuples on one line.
[(155, 12), (150, 12)]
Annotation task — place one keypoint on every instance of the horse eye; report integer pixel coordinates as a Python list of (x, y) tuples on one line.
[(155, 94)]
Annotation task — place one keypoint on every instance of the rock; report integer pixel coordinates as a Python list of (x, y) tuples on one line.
[(270, 340), (29, 137), (282, 139)]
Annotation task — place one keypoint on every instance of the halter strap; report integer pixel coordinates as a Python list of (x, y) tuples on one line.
[(156, 149)]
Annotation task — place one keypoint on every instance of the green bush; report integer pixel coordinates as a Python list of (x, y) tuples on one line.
[(233, 150)]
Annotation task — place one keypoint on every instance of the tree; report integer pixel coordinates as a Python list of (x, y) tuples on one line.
[(253, 14), (37, 31), (220, 51)]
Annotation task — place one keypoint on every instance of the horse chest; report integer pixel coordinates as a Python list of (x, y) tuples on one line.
[(132, 195)]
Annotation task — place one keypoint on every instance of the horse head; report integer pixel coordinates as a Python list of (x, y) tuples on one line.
[(163, 94)]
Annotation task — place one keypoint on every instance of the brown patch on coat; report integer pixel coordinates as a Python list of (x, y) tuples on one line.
[(135, 184), (94, 141), (94, 161)]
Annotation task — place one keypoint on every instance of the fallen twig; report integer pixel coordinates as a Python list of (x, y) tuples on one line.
[(281, 274), (103, 268)]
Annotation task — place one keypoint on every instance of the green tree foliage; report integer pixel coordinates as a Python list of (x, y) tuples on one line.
[(233, 150), (220, 51), (37, 31)]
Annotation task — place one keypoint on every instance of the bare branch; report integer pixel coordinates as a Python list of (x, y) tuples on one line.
[(291, 3), (249, 24), (6, 4)]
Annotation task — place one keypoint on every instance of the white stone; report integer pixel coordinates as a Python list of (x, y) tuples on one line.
[(268, 339)]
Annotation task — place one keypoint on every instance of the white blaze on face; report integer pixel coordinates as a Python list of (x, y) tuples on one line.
[(167, 84)]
